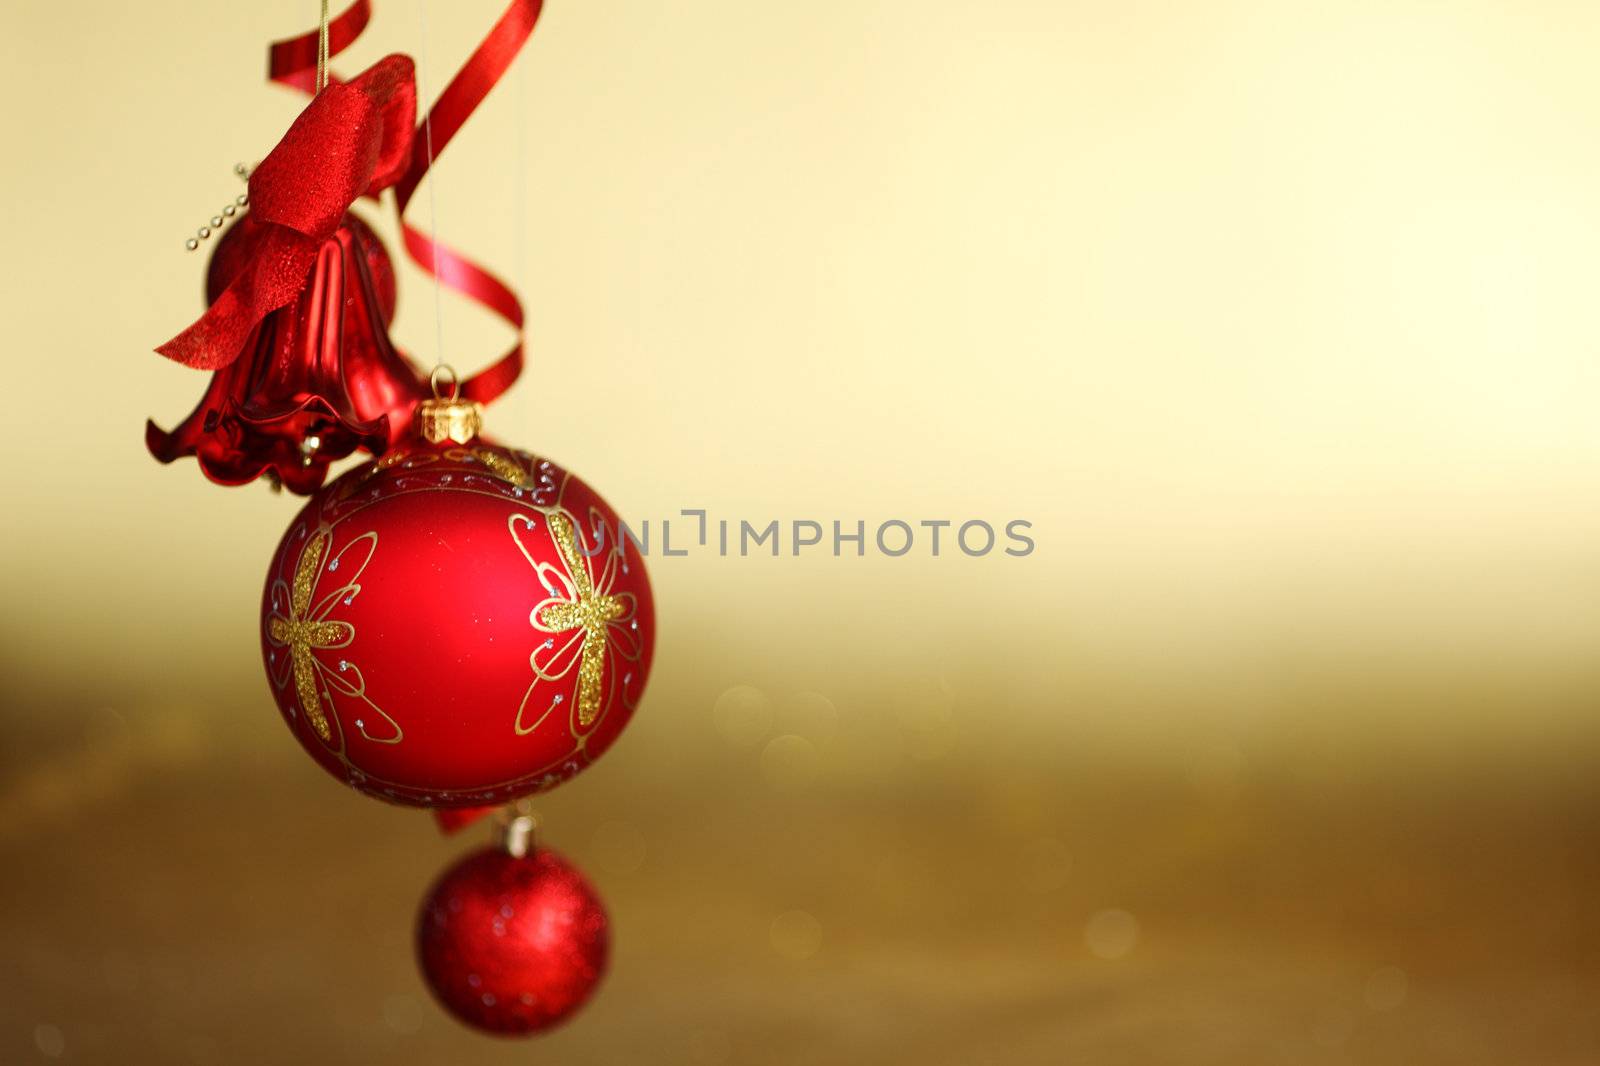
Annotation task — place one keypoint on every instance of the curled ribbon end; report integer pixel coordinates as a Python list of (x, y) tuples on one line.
[(453, 820), (198, 348)]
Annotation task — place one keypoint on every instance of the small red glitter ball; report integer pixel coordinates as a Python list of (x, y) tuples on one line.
[(512, 945)]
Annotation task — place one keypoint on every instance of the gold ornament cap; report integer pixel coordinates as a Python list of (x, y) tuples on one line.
[(517, 830), (450, 417)]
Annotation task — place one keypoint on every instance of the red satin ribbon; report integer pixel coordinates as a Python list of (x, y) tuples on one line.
[(453, 819), (293, 62)]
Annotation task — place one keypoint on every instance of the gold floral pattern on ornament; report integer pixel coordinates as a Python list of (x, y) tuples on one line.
[(592, 621), (303, 627)]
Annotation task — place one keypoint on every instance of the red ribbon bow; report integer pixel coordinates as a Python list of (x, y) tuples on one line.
[(351, 140)]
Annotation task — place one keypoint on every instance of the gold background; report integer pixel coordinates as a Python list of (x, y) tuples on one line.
[(1277, 319)]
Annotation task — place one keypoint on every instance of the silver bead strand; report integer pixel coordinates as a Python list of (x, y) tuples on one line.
[(229, 211)]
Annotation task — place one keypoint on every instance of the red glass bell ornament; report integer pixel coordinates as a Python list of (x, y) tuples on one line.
[(300, 298), (512, 939), (319, 378), (458, 623)]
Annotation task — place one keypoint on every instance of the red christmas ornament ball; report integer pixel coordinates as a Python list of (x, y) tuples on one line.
[(512, 945), (456, 625)]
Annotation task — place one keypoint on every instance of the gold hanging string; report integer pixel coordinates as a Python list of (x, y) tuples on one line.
[(423, 80), (322, 48)]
